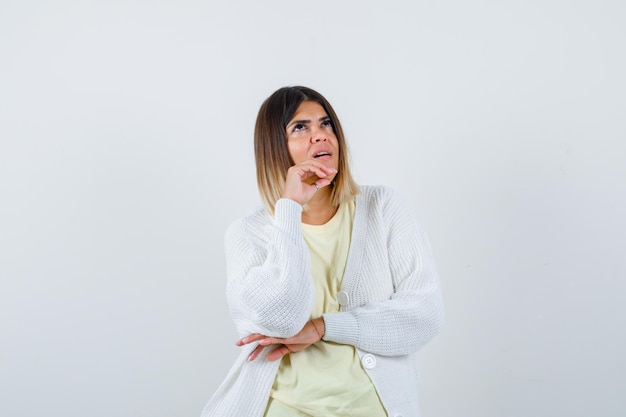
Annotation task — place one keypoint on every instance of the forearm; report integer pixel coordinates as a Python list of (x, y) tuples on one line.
[(398, 326), (269, 281), (413, 313)]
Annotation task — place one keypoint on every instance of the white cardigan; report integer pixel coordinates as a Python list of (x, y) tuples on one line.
[(390, 299)]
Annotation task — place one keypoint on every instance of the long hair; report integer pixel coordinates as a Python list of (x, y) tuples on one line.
[(272, 153)]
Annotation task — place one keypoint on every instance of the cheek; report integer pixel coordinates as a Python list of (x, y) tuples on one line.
[(296, 151)]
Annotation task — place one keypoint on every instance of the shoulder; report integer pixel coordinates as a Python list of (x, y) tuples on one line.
[(380, 196), (387, 206), (251, 223), (260, 225)]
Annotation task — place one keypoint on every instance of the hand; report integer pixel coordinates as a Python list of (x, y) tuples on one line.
[(302, 178), (311, 333)]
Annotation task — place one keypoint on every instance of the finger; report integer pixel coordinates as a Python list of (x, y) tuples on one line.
[(278, 353), (249, 339), (329, 170), (321, 166), (323, 172), (306, 172), (312, 167), (321, 183), (274, 341), (255, 353), (313, 162)]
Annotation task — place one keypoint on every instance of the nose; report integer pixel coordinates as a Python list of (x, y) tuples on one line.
[(318, 135)]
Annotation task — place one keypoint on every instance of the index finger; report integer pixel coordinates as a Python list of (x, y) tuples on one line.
[(316, 167), (249, 339)]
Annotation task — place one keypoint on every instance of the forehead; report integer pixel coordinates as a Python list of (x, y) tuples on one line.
[(311, 108)]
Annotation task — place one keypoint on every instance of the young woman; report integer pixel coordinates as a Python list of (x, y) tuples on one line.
[(332, 286)]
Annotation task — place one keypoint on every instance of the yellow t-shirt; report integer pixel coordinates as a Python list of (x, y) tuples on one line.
[(325, 379)]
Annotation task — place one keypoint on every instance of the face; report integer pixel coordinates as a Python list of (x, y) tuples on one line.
[(310, 135)]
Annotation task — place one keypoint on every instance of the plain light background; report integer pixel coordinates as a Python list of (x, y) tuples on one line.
[(126, 150)]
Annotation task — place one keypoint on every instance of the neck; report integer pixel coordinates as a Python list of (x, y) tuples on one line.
[(319, 209)]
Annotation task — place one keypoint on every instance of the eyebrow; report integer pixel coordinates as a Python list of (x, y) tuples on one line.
[(306, 121)]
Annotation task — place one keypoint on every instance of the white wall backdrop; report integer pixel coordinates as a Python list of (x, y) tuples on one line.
[(126, 150)]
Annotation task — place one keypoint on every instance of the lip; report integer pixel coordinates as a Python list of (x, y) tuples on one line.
[(329, 153)]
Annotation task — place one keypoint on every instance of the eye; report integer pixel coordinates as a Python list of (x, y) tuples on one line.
[(327, 123), (298, 127)]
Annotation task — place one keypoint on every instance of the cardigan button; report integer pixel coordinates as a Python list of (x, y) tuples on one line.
[(368, 361), (343, 298)]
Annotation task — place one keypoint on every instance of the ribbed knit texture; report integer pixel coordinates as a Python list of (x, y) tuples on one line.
[(394, 308)]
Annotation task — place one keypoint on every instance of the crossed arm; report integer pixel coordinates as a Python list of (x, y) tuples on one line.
[(397, 326), (312, 332)]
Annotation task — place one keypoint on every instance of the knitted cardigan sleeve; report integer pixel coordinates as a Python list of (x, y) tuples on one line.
[(413, 314), (269, 290)]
